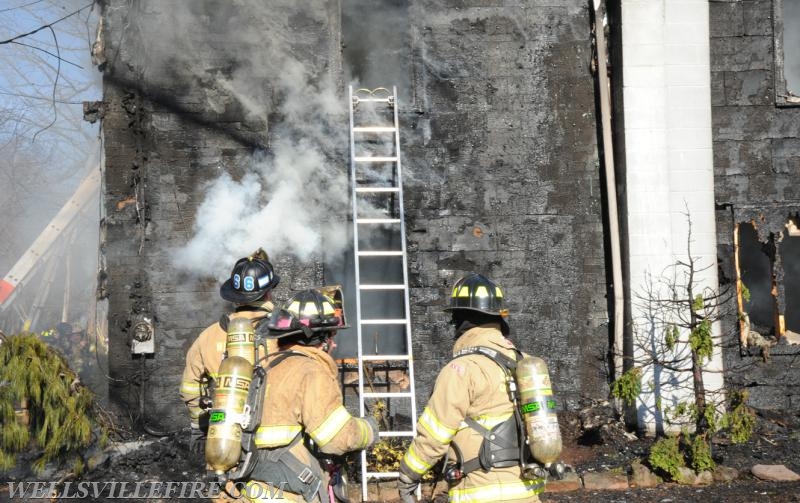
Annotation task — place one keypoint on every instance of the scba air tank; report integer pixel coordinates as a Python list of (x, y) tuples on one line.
[(224, 440), (538, 408)]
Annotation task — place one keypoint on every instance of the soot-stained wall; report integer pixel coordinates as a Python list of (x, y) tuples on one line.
[(500, 171), (503, 180), (756, 160), (171, 126)]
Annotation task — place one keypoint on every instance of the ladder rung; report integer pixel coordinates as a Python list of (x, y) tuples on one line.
[(380, 253), (373, 358), (374, 129), (377, 220), (397, 394), (399, 321), (382, 475), (377, 189), (396, 434), (375, 100), (375, 158), (382, 287)]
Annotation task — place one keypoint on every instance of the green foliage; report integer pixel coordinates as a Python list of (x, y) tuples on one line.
[(745, 293), (666, 456), (700, 454), (698, 303), (701, 341), (60, 411), (741, 419), (628, 386), (671, 337)]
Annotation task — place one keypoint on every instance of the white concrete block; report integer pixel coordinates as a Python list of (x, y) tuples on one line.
[(649, 201), (645, 55), (688, 97), (680, 118), (688, 138), (686, 33), (636, 13), (646, 118), (645, 98), (644, 76), (691, 159), (650, 171), (685, 11), (687, 75), (642, 139), (695, 202), (686, 54)]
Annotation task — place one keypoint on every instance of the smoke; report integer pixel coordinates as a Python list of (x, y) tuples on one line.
[(290, 199)]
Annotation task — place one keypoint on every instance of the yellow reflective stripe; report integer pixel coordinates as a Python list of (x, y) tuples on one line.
[(437, 430), (492, 493), (213, 375), (364, 428), (190, 388), (487, 421), (331, 426), (276, 436), (414, 462)]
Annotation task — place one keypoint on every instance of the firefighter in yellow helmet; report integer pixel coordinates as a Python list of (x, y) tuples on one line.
[(303, 402), (470, 416), (249, 289)]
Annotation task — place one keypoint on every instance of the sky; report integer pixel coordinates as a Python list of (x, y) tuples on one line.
[(46, 148)]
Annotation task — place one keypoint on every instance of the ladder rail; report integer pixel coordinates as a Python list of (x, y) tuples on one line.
[(396, 215)]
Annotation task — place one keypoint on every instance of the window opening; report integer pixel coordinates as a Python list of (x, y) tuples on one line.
[(787, 51), (790, 260), (757, 306)]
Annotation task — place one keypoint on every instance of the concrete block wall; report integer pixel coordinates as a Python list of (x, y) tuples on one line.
[(756, 147), (503, 179), (500, 163)]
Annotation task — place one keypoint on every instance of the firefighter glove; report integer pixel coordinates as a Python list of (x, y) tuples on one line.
[(407, 488), (197, 441), (373, 426)]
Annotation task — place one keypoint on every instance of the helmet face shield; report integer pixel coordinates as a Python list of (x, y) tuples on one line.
[(251, 279)]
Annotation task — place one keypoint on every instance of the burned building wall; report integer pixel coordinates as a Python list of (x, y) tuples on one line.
[(504, 180), (172, 126), (756, 161), (500, 161)]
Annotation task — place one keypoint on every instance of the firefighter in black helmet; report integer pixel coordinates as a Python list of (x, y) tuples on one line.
[(249, 288), (472, 390)]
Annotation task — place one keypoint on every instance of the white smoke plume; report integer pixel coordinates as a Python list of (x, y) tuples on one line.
[(292, 199)]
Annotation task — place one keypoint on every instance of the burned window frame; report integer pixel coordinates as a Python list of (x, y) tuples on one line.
[(778, 289), (783, 97)]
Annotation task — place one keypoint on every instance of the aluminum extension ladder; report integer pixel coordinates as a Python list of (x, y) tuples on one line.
[(377, 198)]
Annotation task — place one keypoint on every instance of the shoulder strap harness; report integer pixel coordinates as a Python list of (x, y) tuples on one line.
[(494, 452)]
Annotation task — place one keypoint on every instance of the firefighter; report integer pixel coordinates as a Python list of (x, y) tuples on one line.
[(470, 415), (302, 403), (249, 289)]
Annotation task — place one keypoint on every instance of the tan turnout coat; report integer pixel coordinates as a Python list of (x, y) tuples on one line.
[(469, 386), (303, 395)]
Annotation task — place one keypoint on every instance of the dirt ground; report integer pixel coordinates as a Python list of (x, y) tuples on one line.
[(604, 446)]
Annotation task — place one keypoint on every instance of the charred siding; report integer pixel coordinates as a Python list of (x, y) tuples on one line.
[(501, 177), (756, 145)]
